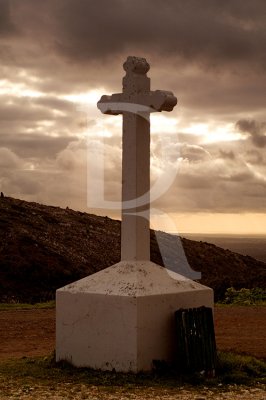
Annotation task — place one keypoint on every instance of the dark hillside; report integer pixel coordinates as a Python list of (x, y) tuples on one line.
[(43, 248)]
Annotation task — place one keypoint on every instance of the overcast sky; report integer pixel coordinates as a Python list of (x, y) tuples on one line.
[(59, 56)]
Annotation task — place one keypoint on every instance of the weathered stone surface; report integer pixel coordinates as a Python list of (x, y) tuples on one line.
[(123, 317)]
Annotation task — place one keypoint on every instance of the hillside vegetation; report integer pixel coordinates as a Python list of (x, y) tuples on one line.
[(43, 248)]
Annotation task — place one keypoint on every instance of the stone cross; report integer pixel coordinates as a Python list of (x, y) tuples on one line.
[(135, 103), (122, 317)]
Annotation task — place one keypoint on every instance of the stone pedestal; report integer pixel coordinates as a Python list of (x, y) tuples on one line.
[(122, 318)]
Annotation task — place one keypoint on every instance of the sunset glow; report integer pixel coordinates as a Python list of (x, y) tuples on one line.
[(56, 65)]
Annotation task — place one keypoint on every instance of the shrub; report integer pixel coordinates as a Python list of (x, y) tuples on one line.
[(255, 296)]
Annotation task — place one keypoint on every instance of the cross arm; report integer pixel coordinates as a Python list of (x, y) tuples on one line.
[(162, 100), (158, 100), (110, 104)]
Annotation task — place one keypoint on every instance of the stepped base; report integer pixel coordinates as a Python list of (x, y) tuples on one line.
[(122, 318)]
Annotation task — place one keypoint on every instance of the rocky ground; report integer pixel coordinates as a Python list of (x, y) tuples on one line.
[(82, 391), (32, 333)]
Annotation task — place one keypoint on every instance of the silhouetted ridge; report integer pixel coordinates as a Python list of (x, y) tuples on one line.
[(43, 248)]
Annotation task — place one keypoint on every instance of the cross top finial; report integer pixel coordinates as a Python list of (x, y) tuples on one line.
[(136, 92), (136, 65)]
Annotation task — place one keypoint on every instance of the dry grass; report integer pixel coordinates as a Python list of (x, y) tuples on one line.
[(42, 378)]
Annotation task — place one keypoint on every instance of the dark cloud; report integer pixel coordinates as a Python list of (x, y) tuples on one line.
[(229, 155), (8, 159), (242, 176), (45, 123), (193, 153), (193, 181), (55, 103), (256, 130), (23, 110), (35, 145), (23, 182), (211, 54), (74, 45), (212, 34), (7, 27), (255, 157), (216, 187)]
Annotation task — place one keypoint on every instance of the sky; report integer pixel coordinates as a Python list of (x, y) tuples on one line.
[(57, 57)]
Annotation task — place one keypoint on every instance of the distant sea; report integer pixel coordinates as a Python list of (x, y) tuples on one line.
[(251, 245)]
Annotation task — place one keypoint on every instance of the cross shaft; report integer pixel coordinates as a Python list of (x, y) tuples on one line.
[(135, 103)]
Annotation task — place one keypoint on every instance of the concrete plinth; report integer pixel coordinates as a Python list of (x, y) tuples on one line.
[(123, 317)]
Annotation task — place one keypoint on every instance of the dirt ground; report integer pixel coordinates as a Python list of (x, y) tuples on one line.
[(32, 332)]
